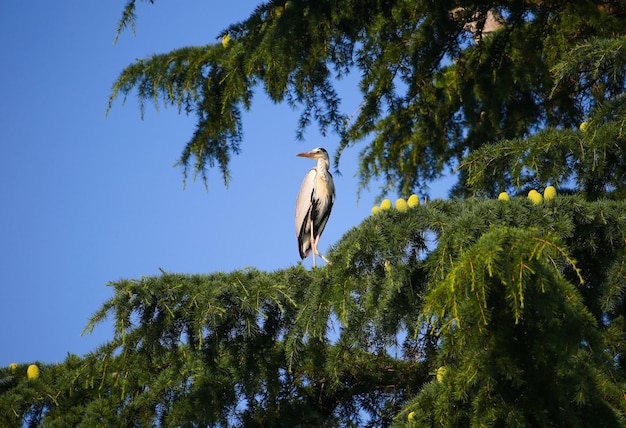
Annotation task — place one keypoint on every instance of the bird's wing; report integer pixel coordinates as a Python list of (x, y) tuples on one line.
[(303, 210), (322, 199)]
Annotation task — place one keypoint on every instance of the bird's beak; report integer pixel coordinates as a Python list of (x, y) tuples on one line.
[(306, 155)]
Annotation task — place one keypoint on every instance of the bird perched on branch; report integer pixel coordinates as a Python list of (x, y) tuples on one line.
[(314, 203)]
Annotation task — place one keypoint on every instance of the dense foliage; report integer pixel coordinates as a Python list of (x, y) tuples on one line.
[(473, 311), (430, 94), (522, 304)]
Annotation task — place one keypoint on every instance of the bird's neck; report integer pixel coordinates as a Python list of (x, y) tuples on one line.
[(323, 165)]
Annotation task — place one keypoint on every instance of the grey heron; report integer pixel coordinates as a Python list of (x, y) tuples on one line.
[(314, 203)]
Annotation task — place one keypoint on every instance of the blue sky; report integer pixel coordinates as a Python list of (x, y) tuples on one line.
[(87, 200)]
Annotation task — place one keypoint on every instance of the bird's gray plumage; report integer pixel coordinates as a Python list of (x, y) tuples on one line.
[(314, 203)]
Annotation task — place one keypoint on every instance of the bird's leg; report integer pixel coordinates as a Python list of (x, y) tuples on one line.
[(321, 255), (315, 251), (323, 258)]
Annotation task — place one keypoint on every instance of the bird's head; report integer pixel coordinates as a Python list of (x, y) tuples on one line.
[(317, 154)]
